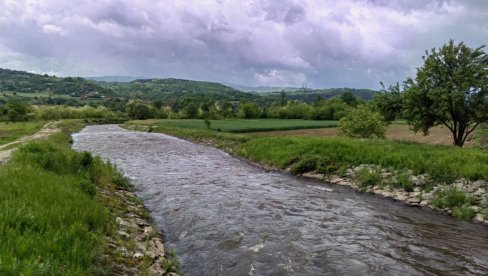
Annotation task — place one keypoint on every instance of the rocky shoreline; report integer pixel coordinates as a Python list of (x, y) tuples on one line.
[(135, 245), (417, 197)]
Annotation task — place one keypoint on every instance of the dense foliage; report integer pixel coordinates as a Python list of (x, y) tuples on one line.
[(450, 89)]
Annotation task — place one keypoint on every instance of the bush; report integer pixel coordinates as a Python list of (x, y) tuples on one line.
[(362, 123)]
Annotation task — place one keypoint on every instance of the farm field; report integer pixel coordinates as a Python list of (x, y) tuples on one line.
[(396, 132), (242, 125)]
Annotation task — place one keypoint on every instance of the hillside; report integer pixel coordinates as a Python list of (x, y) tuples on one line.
[(24, 82), (262, 89), (165, 89), (311, 95)]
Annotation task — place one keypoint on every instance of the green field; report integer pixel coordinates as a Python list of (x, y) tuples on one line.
[(241, 125), (12, 131)]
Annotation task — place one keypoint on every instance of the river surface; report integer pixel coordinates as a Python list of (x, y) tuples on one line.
[(226, 217)]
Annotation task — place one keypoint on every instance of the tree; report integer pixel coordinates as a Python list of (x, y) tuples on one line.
[(349, 98), (389, 102), (450, 89), (248, 110), (139, 110), (361, 122), (16, 109), (191, 110)]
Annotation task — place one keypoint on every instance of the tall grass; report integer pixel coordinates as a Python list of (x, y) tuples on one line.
[(52, 221), (440, 162)]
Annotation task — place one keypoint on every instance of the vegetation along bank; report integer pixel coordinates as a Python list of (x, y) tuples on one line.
[(68, 213)]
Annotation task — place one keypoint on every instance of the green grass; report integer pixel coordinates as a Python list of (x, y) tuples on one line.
[(240, 125), (367, 178), (442, 163), (52, 221), (12, 131)]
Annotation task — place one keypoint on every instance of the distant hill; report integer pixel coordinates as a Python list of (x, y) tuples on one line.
[(311, 95), (164, 89), (114, 78), (261, 89), (24, 82)]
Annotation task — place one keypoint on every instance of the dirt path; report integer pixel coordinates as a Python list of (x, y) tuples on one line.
[(7, 149)]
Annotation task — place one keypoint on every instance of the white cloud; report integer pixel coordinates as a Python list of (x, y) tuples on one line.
[(326, 43)]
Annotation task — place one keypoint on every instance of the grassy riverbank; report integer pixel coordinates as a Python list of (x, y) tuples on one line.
[(51, 220), (418, 173), (64, 212)]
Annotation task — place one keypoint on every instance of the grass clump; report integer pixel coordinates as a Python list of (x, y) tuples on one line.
[(51, 219), (403, 181), (171, 263), (456, 200), (367, 178)]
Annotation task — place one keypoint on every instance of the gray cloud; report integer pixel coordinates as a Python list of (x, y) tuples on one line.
[(354, 43)]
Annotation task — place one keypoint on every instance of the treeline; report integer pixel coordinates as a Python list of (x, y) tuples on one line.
[(16, 109), (320, 109)]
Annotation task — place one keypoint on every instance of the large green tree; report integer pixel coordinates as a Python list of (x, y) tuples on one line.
[(450, 89)]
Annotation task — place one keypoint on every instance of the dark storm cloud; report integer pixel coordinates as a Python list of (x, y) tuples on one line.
[(354, 43)]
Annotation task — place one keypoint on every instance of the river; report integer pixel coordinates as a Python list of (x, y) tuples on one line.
[(226, 217)]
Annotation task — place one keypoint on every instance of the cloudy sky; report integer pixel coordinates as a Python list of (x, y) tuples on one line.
[(323, 43)]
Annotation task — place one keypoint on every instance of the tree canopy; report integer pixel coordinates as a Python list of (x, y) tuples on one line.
[(450, 89)]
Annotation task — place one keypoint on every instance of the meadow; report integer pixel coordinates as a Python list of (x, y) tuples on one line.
[(241, 125)]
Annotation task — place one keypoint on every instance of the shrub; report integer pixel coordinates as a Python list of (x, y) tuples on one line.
[(362, 123)]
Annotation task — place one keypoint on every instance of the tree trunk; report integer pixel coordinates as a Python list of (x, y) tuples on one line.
[(458, 133)]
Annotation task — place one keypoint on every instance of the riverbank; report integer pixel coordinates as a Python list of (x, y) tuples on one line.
[(65, 212), (450, 180)]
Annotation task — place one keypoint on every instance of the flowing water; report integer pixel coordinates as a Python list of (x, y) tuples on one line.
[(226, 217)]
